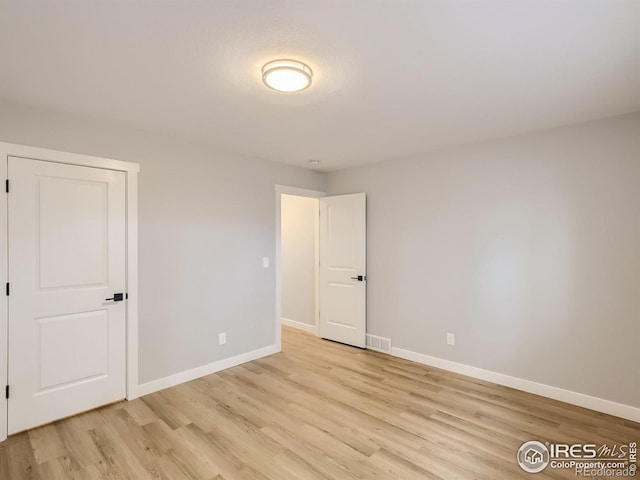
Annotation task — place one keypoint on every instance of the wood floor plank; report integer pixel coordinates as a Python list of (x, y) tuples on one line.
[(46, 443), (318, 411), (21, 463)]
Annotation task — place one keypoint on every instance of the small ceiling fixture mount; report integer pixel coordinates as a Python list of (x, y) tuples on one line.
[(287, 75)]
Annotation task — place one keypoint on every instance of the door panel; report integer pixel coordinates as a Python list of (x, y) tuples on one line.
[(63, 360), (66, 258), (342, 259), (72, 221)]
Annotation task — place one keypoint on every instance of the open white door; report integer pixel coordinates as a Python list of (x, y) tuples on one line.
[(343, 275), (67, 338)]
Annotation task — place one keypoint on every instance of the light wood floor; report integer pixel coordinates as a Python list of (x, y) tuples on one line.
[(319, 410)]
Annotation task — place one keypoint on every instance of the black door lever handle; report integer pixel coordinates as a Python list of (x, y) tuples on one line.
[(117, 297), (360, 278)]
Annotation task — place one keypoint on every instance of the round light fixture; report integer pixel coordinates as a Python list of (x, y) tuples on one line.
[(286, 75)]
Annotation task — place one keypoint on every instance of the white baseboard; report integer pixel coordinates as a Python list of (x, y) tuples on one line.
[(575, 398), (203, 370), (300, 326)]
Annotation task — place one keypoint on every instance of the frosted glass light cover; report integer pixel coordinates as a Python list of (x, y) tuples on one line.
[(287, 75)]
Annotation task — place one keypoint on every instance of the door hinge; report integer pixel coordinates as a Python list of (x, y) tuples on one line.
[(6, 183), (6, 392), (7, 289)]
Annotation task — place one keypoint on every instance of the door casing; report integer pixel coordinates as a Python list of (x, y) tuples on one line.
[(131, 171)]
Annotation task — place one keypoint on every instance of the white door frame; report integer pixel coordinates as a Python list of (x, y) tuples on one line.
[(300, 192), (131, 171)]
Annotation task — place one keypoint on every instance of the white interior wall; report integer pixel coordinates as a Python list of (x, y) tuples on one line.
[(527, 249), (299, 237), (206, 220)]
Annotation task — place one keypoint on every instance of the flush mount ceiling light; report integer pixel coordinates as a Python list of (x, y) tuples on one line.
[(286, 75)]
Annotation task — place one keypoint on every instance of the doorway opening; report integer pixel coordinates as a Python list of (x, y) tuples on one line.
[(321, 278), (299, 266), (297, 258)]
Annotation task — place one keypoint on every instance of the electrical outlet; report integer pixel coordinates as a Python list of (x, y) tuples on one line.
[(222, 338), (265, 262), (451, 339)]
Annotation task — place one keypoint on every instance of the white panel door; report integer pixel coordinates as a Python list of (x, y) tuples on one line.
[(343, 276), (67, 340)]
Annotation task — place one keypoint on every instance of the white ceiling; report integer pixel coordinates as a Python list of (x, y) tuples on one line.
[(392, 78)]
